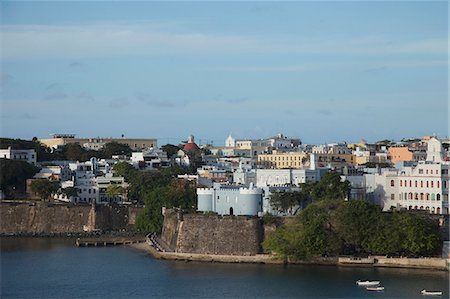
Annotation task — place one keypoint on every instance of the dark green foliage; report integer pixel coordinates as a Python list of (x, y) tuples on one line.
[(330, 187), (13, 176), (115, 148), (334, 227), (170, 149), (178, 193), (44, 188), (289, 201), (69, 191), (156, 189), (269, 219), (75, 152)]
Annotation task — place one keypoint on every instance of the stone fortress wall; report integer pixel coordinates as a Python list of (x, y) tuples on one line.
[(212, 234), (47, 218)]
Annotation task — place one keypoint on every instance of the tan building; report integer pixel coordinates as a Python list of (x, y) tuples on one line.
[(63, 139), (334, 160), (397, 154), (284, 160)]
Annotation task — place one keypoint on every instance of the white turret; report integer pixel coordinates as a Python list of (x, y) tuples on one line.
[(230, 141), (434, 150)]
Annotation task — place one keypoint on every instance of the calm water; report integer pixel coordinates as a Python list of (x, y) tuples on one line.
[(55, 268)]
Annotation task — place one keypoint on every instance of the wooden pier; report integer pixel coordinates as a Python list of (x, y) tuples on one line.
[(108, 241)]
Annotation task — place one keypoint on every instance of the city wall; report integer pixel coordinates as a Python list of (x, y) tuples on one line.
[(212, 234), (49, 218)]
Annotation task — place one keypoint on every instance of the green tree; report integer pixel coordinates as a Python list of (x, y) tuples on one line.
[(170, 149), (69, 192), (115, 148), (44, 188), (13, 176), (330, 187), (334, 227), (290, 202), (150, 219), (73, 152)]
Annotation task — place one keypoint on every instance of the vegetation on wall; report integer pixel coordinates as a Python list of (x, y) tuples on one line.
[(44, 188), (156, 189), (336, 227)]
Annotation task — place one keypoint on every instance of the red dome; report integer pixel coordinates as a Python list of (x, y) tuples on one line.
[(191, 147)]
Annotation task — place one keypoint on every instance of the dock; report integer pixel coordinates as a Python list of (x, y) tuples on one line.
[(108, 241)]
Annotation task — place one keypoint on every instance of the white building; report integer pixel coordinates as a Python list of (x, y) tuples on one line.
[(287, 177), (27, 155), (230, 200), (422, 186), (152, 158), (92, 180)]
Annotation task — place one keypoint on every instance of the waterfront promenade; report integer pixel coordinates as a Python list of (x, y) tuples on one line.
[(157, 250)]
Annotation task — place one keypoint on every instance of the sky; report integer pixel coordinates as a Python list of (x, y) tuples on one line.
[(320, 71)]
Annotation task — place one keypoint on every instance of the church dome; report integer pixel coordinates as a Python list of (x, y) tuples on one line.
[(191, 145)]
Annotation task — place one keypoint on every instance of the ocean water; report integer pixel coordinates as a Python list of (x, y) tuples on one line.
[(56, 268)]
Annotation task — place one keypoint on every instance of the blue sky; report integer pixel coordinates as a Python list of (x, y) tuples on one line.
[(321, 71)]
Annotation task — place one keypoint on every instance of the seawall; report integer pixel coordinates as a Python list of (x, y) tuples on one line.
[(48, 218), (212, 234)]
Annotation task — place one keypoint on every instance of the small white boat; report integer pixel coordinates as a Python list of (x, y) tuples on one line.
[(431, 293), (367, 282), (376, 289)]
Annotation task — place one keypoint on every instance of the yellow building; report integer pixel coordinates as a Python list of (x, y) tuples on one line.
[(284, 160)]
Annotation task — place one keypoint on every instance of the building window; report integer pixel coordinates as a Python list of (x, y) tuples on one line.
[(421, 184), (428, 196), (392, 183), (415, 184), (438, 197), (439, 184), (410, 183), (421, 196), (392, 196), (420, 171), (428, 185), (401, 183), (432, 184), (416, 196)]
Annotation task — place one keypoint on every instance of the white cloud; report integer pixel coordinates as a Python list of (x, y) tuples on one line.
[(94, 40)]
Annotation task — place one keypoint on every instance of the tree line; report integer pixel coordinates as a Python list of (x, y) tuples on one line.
[(335, 227), (70, 152)]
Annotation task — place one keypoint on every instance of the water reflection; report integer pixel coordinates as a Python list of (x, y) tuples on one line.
[(34, 243)]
